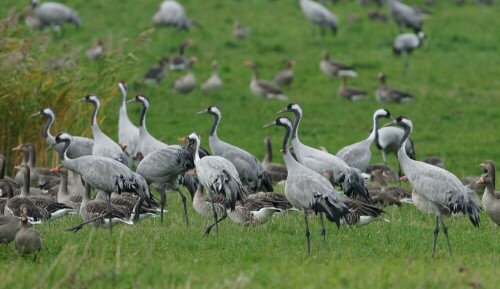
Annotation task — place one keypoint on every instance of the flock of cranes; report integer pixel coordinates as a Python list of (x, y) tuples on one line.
[(229, 181)]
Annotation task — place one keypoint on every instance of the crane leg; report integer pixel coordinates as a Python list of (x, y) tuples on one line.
[(436, 232), (323, 232), (110, 214), (183, 198), (163, 201), (215, 216), (224, 215), (445, 231), (137, 207), (308, 234), (78, 227)]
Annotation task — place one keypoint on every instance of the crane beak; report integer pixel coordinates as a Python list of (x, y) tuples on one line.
[(51, 146), (282, 111), (202, 112), (480, 181), (80, 100), (270, 124), (55, 170), (18, 148), (35, 114), (130, 100), (392, 123)]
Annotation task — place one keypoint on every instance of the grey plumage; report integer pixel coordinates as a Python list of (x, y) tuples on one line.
[(334, 68), (171, 13), (186, 83), (63, 196), (157, 73), (386, 94), (405, 43), (285, 77), (350, 93), (54, 14), (213, 83), (250, 170), (358, 155), (263, 88), (128, 133), (491, 199), (317, 14), (27, 240), (405, 16), (179, 61), (278, 172)]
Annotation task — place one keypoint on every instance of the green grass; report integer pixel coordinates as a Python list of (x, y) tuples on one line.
[(454, 77)]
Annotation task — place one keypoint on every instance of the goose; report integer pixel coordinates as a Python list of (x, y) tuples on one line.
[(29, 159), (96, 51), (277, 171), (239, 32), (436, 186), (317, 14), (6, 192), (405, 16), (178, 62), (386, 94), (253, 212), (263, 88), (405, 43), (358, 155), (54, 14), (157, 73), (350, 179), (63, 196), (387, 195), (219, 176), (104, 174), (335, 68), (391, 174), (250, 170), (213, 83), (13, 204), (128, 133), (309, 191), (27, 240), (435, 161), (3, 166), (285, 76), (9, 226), (350, 93), (491, 199), (186, 83), (127, 203), (204, 205), (489, 167), (103, 145), (172, 13)]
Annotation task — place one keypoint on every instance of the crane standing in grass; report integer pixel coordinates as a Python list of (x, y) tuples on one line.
[(405, 43), (317, 14)]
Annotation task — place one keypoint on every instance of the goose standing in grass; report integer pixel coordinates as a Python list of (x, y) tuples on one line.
[(491, 199), (405, 16), (277, 171), (219, 176), (309, 191), (63, 196), (179, 61), (54, 14), (335, 68), (436, 186), (285, 76), (128, 133), (103, 145), (185, 84), (350, 93), (96, 51), (157, 73), (386, 94), (405, 43), (250, 170), (213, 83), (358, 155), (104, 174), (263, 88), (27, 240), (172, 13), (317, 14), (350, 179), (204, 205), (239, 32)]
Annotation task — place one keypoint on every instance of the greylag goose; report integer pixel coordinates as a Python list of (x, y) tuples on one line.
[(179, 62), (350, 93), (214, 82), (263, 88), (285, 76), (157, 73), (277, 171), (185, 84), (386, 94), (335, 68), (27, 240)]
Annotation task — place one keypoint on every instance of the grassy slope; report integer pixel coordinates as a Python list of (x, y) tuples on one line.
[(453, 77)]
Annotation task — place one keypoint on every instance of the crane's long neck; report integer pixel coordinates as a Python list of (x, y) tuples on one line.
[(296, 123), (402, 156), (123, 107), (374, 134), (93, 120), (46, 129), (63, 185), (215, 124), (269, 151), (25, 192), (67, 162), (196, 151), (287, 156), (142, 117)]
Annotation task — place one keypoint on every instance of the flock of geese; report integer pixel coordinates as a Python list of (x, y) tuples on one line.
[(229, 181)]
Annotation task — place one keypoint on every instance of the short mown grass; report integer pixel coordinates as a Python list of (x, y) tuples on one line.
[(454, 77)]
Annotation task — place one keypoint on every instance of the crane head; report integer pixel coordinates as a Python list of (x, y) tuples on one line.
[(290, 107)]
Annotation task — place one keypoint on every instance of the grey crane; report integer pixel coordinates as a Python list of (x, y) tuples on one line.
[(63, 196), (405, 16), (350, 179), (172, 13), (104, 174), (491, 199), (405, 43), (213, 83), (386, 94), (437, 186), (263, 88), (358, 155), (80, 146), (157, 73), (285, 77), (128, 133), (186, 83), (250, 170), (146, 143), (219, 176), (27, 240), (103, 145), (309, 191), (54, 14), (335, 68), (317, 14), (350, 93), (277, 171), (179, 62)]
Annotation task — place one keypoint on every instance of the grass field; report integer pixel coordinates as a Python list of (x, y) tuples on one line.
[(454, 77)]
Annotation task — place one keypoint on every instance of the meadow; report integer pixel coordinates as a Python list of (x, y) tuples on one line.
[(454, 77)]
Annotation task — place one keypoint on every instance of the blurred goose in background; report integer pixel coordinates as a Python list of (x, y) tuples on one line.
[(285, 76), (277, 171), (405, 43), (179, 61), (350, 93), (157, 73), (335, 68), (405, 16), (386, 94), (9, 226), (491, 199), (239, 32), (7, 179), (317, 14), (96, 51), (27, 240), (213, 83), (185, 84), (263, 88), (375, 15)]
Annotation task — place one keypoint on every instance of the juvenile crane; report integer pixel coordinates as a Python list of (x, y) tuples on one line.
[(436, 186)]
